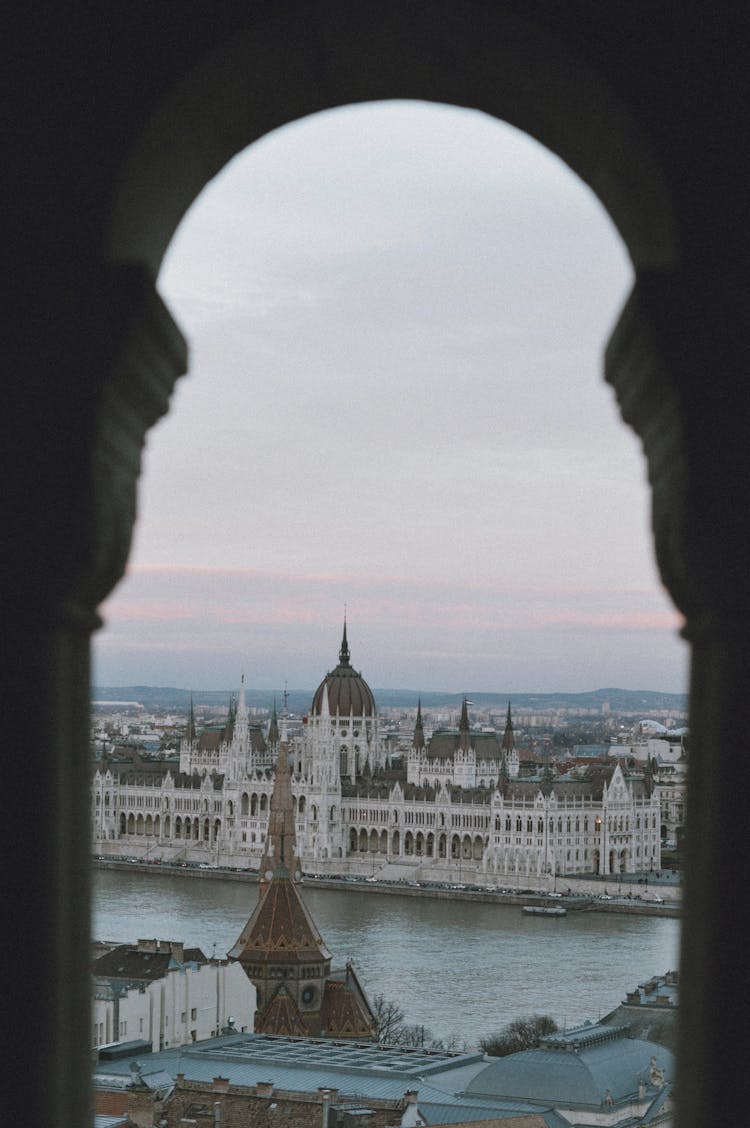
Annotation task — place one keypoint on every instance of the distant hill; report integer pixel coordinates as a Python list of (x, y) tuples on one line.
[(619, 700)]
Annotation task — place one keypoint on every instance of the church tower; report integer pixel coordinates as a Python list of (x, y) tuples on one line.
[(281, 949)]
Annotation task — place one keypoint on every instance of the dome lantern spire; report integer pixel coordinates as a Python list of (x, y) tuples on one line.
[(344, 651)]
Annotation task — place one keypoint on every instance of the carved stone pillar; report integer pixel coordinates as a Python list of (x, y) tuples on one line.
[(678, 361), (98, 372)]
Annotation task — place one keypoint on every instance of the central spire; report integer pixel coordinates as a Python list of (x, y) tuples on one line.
[(344, 651), (281, 846)]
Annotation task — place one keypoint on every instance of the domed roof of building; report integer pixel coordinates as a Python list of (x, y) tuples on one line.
[(582, 1067), (345, 689)]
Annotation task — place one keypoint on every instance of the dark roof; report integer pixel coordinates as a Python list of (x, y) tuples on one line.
[(130, 963), (346, 690), (445, 742), (280, 929)]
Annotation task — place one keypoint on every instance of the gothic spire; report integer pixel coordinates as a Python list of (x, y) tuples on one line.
[(190, 730), (463, 727), (273, 728), (281, 844), (509, 740), (418, 739), (344, 651)]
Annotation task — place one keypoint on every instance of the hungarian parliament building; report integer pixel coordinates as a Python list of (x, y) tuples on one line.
[(455, 805)]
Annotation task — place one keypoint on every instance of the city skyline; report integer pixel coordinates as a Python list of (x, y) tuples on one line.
[(396, 315)]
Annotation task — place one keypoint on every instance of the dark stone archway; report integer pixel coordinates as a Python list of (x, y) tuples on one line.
[(120, 126)]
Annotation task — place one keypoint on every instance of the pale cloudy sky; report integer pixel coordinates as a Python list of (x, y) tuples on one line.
[(396, 314)]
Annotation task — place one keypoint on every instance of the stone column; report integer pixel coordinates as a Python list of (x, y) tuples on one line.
[(678, 361), (96, 375)]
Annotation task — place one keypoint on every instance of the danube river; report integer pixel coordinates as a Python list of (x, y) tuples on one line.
[(454, 967)]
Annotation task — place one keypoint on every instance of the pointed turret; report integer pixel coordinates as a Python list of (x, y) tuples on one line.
[(344, 651), (464, 737), (190, 732), (418, 738), (509, 740), (240, 726), (273, 728)]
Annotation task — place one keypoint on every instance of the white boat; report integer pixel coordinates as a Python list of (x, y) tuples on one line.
[(545, 910)]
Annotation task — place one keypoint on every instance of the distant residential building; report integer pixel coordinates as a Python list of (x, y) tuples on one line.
[(463, 801), (163, 994), (650, 1010)]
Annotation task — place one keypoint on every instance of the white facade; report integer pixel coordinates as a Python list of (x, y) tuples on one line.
[(187, 1005), (460, 804)]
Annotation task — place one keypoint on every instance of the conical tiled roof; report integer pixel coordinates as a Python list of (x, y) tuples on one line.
[(280, 929), (281, 1016)]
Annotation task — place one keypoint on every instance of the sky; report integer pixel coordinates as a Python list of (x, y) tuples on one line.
[(396, 315)]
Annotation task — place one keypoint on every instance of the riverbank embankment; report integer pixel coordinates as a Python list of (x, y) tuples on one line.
[(572, 902)]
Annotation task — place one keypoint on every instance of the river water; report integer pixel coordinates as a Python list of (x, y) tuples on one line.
[(454, 967)]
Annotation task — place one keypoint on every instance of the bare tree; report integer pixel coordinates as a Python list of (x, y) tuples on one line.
[(521, 1034), (389, 1019)]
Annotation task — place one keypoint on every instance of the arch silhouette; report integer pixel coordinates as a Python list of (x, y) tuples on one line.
[(504, 65), (106, 176)]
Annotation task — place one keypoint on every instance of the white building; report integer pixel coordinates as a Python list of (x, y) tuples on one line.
[(459, 802), (158, 992)]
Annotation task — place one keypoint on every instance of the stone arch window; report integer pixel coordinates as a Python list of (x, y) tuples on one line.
[(244, 804), (302, 804), (563, 119), (263, 803)]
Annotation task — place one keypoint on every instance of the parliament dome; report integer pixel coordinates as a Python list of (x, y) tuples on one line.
[(346, 690)]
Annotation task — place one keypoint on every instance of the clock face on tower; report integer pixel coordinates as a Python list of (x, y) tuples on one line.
[(308, 994)]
